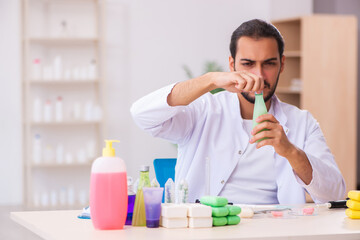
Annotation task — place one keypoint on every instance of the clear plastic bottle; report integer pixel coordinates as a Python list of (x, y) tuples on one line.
[(59, 116), (169, 191), (139, 217), (131, 201)]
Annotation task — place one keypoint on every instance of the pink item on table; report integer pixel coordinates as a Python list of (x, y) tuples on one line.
[(308, 211), (277, 213)]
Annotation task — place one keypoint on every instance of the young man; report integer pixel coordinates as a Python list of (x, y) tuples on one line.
[(217, 129)]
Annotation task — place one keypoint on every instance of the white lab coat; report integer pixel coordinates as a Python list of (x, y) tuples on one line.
[(211, 128)]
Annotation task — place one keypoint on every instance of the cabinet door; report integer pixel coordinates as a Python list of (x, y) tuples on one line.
[(329, 75)]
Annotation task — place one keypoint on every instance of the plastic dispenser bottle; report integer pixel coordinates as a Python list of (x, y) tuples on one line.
[(259, 109), (139, 217), (131, 201), (108, 190)]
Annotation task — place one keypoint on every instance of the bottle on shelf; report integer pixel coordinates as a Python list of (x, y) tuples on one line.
[(59, 116), (139, 217), (44, 199), (70, 196), (48, 73), (36, 69), (49, 154), (88, 111), (69, 159), (76, 112), (59, 154), (81, 156), (48, 111), (58, 68), (108, 190), (92, 73), (37, 113), (53, 198), (37, 149)]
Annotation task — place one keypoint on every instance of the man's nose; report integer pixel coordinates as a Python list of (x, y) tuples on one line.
[(258, 71)]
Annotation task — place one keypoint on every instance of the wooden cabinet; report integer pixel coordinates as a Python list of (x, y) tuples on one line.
[(320, 75)]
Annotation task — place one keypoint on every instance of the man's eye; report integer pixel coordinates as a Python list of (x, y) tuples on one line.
[(247, 64), (270, 63)]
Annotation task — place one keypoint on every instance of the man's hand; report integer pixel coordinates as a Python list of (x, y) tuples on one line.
[(277, 138), (241, 81), (274, 133), (184, 93)]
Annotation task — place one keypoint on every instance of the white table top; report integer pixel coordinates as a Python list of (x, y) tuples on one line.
[(328, 224)]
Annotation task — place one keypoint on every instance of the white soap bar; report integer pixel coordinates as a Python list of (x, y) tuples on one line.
[(174, 222), (197, 210), (204, 222), (172, 210), (246, 212)]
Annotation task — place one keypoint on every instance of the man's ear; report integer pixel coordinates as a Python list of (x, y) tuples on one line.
[(282, 63), (231, 64)]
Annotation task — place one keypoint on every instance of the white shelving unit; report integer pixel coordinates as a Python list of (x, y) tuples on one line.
[(63, 113)]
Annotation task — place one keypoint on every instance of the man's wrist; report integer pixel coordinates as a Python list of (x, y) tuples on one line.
[(209, 81)]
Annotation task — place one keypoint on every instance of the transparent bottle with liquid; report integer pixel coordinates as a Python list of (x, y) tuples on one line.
[(259, 109), (139, 217), (131, 201)]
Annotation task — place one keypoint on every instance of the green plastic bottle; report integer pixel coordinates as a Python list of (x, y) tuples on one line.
[(139, 217), (259, 109)]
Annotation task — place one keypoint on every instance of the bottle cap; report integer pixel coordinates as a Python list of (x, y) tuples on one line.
[(109, 151), (144, 168)]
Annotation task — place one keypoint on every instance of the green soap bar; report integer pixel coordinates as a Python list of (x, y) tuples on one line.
[(214, 201), (233, 220), (234, 210), (220, 211), (219, 221)]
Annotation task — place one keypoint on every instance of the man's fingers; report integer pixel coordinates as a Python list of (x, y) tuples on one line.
[(249, 82), (266, 117), (259, 82), (261, 135), (264, 143), (261, 126)]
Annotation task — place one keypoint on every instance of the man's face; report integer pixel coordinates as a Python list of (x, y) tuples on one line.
[(260, 57)]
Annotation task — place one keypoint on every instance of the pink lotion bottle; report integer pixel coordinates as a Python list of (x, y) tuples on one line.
[(108, 190)]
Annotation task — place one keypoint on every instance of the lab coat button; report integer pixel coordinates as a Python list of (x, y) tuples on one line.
[(222, 181), (240, 152)]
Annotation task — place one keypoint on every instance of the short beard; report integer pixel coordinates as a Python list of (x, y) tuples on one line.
[(267, 98)]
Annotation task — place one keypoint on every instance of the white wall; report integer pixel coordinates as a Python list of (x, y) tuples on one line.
[(11, 170), (147, 44), (290, 8)]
